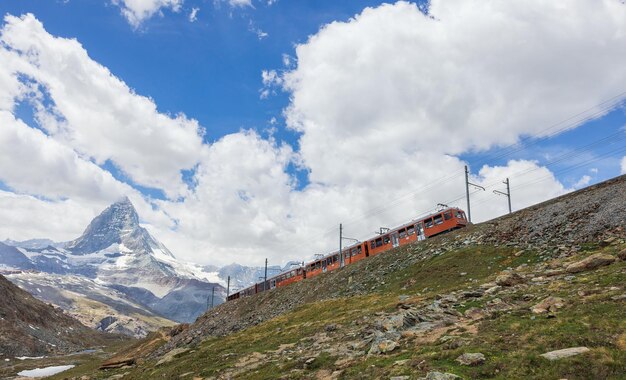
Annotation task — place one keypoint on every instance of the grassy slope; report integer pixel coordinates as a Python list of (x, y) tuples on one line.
[(511, 341)]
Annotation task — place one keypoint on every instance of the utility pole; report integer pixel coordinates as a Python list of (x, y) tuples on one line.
[(507, 194), (469, 210), (228, 287), (467, 184), (265, 278), (508, 191), (212, 296), (341, 263)]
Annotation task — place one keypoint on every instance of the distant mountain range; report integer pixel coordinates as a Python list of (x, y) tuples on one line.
[(118, 278), (115, 276), (242, 276)]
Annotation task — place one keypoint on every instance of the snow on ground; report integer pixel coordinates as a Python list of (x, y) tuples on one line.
[(46, 371), (156, 289)]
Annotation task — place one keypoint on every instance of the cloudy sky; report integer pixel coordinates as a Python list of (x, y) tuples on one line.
[(246, 129)]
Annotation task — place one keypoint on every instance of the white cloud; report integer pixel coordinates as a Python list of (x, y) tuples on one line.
[(582, 182), (529, 184), (93, 111), (287, 60), (137, 11), (32, 162), (256, 30), (394, 79), (193, 15), (240, 3), (34, 218), (271, 80), (384, 104), (623, 166)]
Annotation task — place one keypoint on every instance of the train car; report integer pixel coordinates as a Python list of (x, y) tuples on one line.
[(446, 220), (434, 224), (290, 277)]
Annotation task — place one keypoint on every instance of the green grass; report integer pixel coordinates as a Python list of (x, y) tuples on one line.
[(511, 341)]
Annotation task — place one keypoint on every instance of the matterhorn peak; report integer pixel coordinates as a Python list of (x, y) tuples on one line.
[(114, 223)]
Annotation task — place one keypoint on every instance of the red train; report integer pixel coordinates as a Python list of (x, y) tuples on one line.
[(434, 224)]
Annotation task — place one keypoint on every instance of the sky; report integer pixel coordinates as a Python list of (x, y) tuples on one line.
[(245, 129)]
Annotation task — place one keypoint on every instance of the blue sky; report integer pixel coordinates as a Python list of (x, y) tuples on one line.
[(234, 123), (211, 68)]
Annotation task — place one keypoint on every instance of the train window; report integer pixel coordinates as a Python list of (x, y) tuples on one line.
[(359, 250), (386, 239), (438, 219), (354, 253), (379, 242), (463, 215), (429, 222), (447, 215), (372, 244), (318, 265), (335, 259), (410, 230), (402, 233), (458, 214)]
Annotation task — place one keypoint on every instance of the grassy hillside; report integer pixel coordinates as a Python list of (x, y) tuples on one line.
[(505, 292)]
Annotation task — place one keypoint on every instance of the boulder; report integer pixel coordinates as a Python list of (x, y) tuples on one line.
[(382, 347), (591, 262), (434, 375), (622, 254), (550, 304), (564, 353), (475, 313), (474, 358), (118, 363), (509, 279)]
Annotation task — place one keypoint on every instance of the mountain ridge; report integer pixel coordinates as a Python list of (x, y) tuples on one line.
[(117, 263)]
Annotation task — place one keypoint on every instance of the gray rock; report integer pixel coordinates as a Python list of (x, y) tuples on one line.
[(550, 304), (591, 262), (509, 279), (382, 347), (565, 353), (473, 358), (434, 375)]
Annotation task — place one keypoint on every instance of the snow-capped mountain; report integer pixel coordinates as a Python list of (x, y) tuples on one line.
[(117, 253), (243, 276)]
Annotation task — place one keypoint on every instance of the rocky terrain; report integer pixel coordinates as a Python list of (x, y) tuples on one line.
[(537, 294), (29, 327)]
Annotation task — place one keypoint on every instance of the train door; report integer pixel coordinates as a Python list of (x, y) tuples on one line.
[(367, 251), (394, 240), (420, 231), (324, 266)]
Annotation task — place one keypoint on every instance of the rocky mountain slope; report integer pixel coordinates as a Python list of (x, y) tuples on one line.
[(120, 268), (537, 294), (28, 327)]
